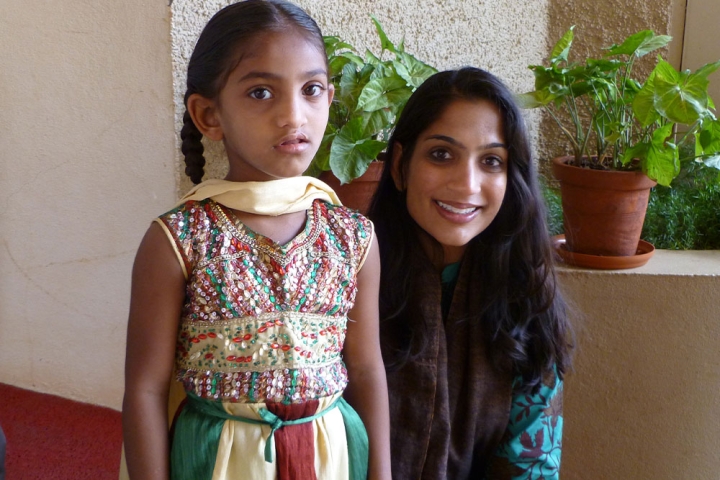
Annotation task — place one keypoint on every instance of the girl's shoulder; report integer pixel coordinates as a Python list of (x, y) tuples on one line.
[(345, 218), (351, 231)]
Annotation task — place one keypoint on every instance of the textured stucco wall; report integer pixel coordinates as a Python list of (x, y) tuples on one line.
[(642, 401), (491, 34), (87, 161)]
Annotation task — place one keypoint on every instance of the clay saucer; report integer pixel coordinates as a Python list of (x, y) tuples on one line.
[(645, 250)]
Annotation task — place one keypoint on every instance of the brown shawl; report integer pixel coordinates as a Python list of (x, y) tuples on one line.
[(448, 408)]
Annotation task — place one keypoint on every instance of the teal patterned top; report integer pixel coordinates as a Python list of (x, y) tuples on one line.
[(532, 444)]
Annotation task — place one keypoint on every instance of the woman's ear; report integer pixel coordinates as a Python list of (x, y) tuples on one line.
[(397, 173), (204, 114)]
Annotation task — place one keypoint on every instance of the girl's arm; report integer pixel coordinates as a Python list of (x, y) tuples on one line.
[(158, 290), (367, 390)]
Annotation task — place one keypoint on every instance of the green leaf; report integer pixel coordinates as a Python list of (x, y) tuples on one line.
[(683, 101), (707, 69), (413, 70), (352, 83), (638, 151), (385, 42), (709, 138), (386, 92), (535, 99), (371, 58), (333, 44), (352, 152), (378, 121), (561, 50), (662, 163), (640, 44)]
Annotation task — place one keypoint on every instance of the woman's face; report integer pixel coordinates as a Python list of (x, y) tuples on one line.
[(456, 178)]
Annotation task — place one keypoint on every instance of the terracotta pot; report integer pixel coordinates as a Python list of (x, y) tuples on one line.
[(603, 210), (359, 192)]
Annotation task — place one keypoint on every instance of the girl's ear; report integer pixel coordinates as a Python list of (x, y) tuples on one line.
[(331, 93), (396, 172), (204, 114)]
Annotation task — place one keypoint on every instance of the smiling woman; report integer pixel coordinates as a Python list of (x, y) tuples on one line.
[(474, 333), (455, 180)]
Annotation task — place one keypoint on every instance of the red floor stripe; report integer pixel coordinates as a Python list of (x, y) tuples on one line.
[(53, 438)]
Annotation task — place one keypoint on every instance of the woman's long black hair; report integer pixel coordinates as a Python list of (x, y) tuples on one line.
[(520, 301)]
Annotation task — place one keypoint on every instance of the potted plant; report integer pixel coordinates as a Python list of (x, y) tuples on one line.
[(370, 93), (625, 135)]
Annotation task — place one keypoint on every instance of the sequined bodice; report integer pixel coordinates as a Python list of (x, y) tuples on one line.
[(262, 321)]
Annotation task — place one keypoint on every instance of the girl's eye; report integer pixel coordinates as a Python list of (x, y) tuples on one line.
[(260, 94), (314, 90)]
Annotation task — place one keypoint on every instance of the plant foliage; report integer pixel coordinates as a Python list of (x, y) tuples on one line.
[(615, 121), (370, 93)]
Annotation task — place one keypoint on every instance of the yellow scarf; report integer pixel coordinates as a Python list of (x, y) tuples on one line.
[(274, 197)]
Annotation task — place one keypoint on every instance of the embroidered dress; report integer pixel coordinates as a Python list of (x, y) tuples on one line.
[(260, 340)]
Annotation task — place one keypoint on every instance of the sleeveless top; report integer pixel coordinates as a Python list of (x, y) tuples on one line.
[(263, 322)]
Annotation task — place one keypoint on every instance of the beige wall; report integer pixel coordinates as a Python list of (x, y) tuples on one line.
[(87, 161), (642, 403)]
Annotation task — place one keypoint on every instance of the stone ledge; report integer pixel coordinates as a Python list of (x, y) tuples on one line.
[(664, 262)]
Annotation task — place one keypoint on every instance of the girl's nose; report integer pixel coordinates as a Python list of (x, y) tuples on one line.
[(291, 112)]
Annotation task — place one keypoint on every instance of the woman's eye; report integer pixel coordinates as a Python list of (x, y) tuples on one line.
[(260, 94), (314, 90), (493, 161), (440, 154)]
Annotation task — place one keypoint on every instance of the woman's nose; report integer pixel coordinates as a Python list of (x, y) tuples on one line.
[(466, 177)]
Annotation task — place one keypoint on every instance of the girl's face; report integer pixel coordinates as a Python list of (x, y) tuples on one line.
[(273, 110), (456, 178)]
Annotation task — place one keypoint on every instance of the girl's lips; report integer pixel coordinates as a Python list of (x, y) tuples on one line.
[(462, 209), (293, 144)]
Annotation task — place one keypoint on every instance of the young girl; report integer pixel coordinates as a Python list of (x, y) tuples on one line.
[(472, 327), (258, 290)]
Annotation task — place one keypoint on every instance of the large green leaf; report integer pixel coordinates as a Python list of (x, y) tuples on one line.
[(352, 83), (386, 92), (683, 101), (352, 152), (378, 121), (413, 70), (561, 49), (662, 163)]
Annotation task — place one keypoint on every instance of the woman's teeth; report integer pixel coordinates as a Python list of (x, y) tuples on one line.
[(461, 211)]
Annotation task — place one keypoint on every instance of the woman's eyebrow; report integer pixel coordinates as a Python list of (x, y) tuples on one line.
[(453, 141)]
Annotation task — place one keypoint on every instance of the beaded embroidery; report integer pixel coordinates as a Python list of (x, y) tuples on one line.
[(262, 321)]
